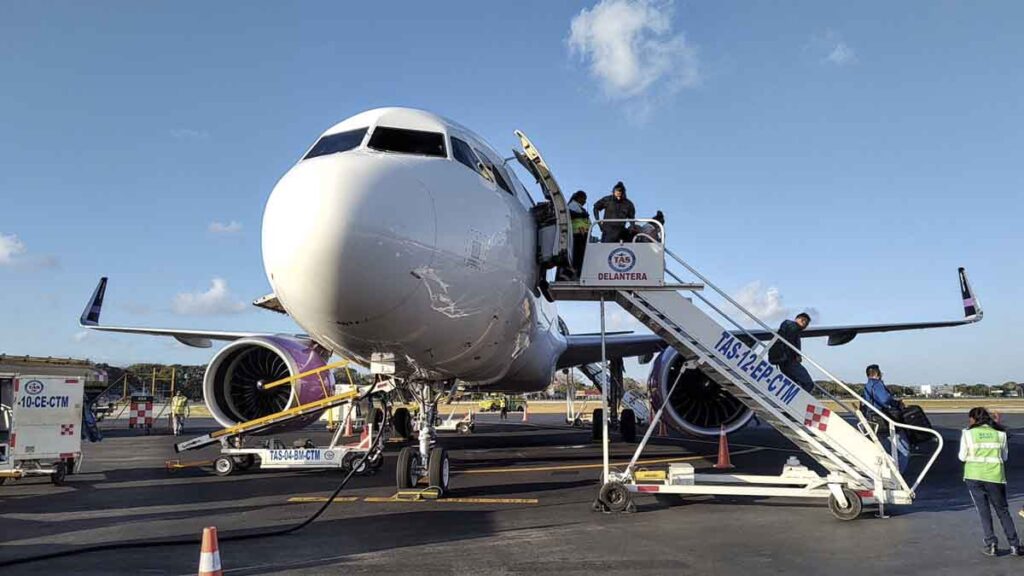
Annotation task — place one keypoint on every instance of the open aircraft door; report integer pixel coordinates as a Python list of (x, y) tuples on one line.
[(554, 235)]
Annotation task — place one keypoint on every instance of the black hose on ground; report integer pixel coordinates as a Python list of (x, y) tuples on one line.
[(230, 538)]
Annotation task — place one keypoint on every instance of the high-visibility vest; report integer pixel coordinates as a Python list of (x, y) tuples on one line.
[(578, 218), (580, 225), (178, 404), (984, 454)]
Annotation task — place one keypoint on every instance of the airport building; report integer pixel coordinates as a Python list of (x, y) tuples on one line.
[(48, 366)]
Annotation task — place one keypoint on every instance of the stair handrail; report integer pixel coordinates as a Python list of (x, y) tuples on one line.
[(865, 425), (850, 467), (860, 416), (661, 227), (755, 341)]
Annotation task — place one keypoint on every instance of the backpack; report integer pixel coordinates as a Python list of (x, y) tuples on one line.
[(778, 353)]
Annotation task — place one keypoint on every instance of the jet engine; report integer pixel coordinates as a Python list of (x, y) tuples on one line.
[(698, 405), (235, 380)]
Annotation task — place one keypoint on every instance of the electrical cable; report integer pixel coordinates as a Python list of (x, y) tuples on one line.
[(379, 445)]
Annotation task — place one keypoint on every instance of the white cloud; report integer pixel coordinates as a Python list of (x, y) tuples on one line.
[(766, 304), (841, 54), (189, 134), (618, 320), (10, 246), (225, 228), (630, 48), (217, 300), (80, 336)]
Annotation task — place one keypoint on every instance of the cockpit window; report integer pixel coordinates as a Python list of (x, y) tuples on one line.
[(499, 179), (334, 143), (408, 141), (464, 154)]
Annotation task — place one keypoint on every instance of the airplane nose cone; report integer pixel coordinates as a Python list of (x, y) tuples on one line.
[(342, 235)]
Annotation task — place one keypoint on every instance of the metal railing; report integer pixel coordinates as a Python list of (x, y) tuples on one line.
[(661, 227), (775, 337), (864, 425)]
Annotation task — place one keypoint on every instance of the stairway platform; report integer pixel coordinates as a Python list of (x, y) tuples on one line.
[(567, 290)]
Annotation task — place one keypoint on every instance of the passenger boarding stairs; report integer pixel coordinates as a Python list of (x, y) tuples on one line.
[(836, 435)]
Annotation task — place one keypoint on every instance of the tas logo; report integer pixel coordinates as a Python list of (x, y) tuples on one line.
[(33, 387), (621, 260)]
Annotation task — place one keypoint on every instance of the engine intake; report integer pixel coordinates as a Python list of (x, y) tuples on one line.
[(233, 387), (698, 405)]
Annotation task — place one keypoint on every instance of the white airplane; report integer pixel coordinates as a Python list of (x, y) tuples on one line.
[(403, 236)]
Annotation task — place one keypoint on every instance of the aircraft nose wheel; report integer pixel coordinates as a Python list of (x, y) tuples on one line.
[(409, 468), (439, 469)]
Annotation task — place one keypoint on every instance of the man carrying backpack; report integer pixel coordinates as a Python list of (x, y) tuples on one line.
[(878, 395), (787, 359)]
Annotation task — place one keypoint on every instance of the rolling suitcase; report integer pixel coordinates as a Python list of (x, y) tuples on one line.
[(915, 416)]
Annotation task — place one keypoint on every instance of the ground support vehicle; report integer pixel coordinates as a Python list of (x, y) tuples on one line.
[(40, 426)]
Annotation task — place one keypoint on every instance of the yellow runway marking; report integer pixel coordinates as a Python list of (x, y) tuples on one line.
[(303, 499), (598, 465), (393, 500)]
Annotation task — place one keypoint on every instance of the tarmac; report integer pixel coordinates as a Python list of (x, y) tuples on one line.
[(520, 504)]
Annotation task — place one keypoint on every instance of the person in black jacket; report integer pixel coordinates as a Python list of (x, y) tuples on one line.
[(580, 223), (615, 205), (785, 358)]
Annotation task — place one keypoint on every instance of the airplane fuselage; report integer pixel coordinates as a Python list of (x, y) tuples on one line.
[(413, 256)]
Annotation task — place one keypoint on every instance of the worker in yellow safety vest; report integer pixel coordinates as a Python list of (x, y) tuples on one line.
[(983, 450), (179, 412), (579, 220)]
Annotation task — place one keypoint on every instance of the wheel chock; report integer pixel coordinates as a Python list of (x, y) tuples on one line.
[(415, 495)]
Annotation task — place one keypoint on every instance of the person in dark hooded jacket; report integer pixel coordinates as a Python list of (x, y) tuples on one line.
[(615, 205), (787, 359)]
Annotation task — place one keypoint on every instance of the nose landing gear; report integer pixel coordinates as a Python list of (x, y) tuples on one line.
[(424, 463)]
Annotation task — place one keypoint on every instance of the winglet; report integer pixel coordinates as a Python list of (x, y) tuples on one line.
[(91, 314), (972, 308)]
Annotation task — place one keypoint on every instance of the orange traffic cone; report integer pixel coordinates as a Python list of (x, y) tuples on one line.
[(348, 422), (209, 555), (723, 451), (526, 412)]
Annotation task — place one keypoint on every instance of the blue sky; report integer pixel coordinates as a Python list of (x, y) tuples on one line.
[(842, 157)]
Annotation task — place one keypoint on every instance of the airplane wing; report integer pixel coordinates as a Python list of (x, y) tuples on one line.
[(586, 348), (196, 338)]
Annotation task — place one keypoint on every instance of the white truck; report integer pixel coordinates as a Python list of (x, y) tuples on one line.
[(40, 426)]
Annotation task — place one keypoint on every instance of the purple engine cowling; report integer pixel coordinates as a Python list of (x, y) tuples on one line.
[(699, 405), (233, 384)]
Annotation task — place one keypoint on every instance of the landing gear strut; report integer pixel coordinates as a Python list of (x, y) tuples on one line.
[(424, 461)]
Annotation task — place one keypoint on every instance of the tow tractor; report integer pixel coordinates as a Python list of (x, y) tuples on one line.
[(40, 426)]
